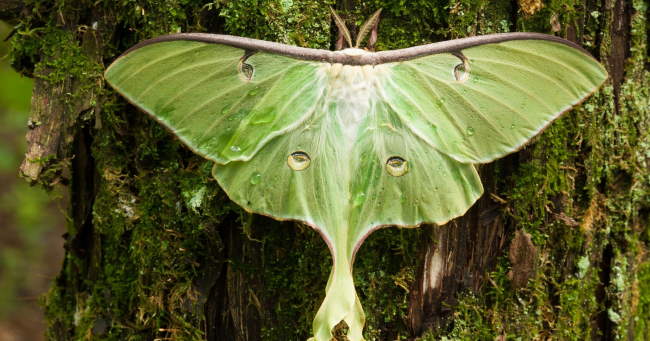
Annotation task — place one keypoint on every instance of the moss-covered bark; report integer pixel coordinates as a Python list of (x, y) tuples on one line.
[(156, 251)]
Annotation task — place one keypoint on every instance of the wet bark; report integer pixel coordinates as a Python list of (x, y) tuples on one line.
[(10, 9)]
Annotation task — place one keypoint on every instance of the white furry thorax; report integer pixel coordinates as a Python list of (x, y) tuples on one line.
[(353, 89)]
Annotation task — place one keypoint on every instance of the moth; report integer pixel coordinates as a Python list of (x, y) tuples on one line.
[(350, 141)]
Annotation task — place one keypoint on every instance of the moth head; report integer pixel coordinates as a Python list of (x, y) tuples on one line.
[(353, 51), (370, 26)]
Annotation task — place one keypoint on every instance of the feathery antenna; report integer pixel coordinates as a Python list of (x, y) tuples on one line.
[(370, 25), (343, 30)]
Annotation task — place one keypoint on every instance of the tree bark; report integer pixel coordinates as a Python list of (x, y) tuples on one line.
[(10, 9), (556, 248)]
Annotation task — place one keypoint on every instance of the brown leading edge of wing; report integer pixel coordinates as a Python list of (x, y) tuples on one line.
[(370, 58)]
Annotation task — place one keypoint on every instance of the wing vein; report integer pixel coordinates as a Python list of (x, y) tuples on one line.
[(213, 125), (176, 72), (210, 100), (532, 71), (408, 98), (514, 85), (443, 109), (572, 69), (219, 119), (282, 131), (235, 136), (469, 103), (157, 60)]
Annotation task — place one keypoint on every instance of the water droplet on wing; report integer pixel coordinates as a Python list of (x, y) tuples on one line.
[(298, 161), (225, 109), (263, 116), (396, 166), (238, 115), (470, 131), (253, 92), (235, 149), (359, 199), (256, 178)]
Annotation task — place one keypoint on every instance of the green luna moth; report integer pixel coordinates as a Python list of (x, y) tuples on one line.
[(350, 141)]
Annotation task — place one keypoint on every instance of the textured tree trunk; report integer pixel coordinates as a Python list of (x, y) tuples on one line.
[(557, 247)]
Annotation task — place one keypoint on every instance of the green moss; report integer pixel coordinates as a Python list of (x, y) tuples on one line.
[(384, 272), (640, 303), (302, 23)]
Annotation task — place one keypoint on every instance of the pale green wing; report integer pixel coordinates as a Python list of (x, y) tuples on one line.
[(203, 94), (349, 186), (359, 168), (350, 148), (508, 93)]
